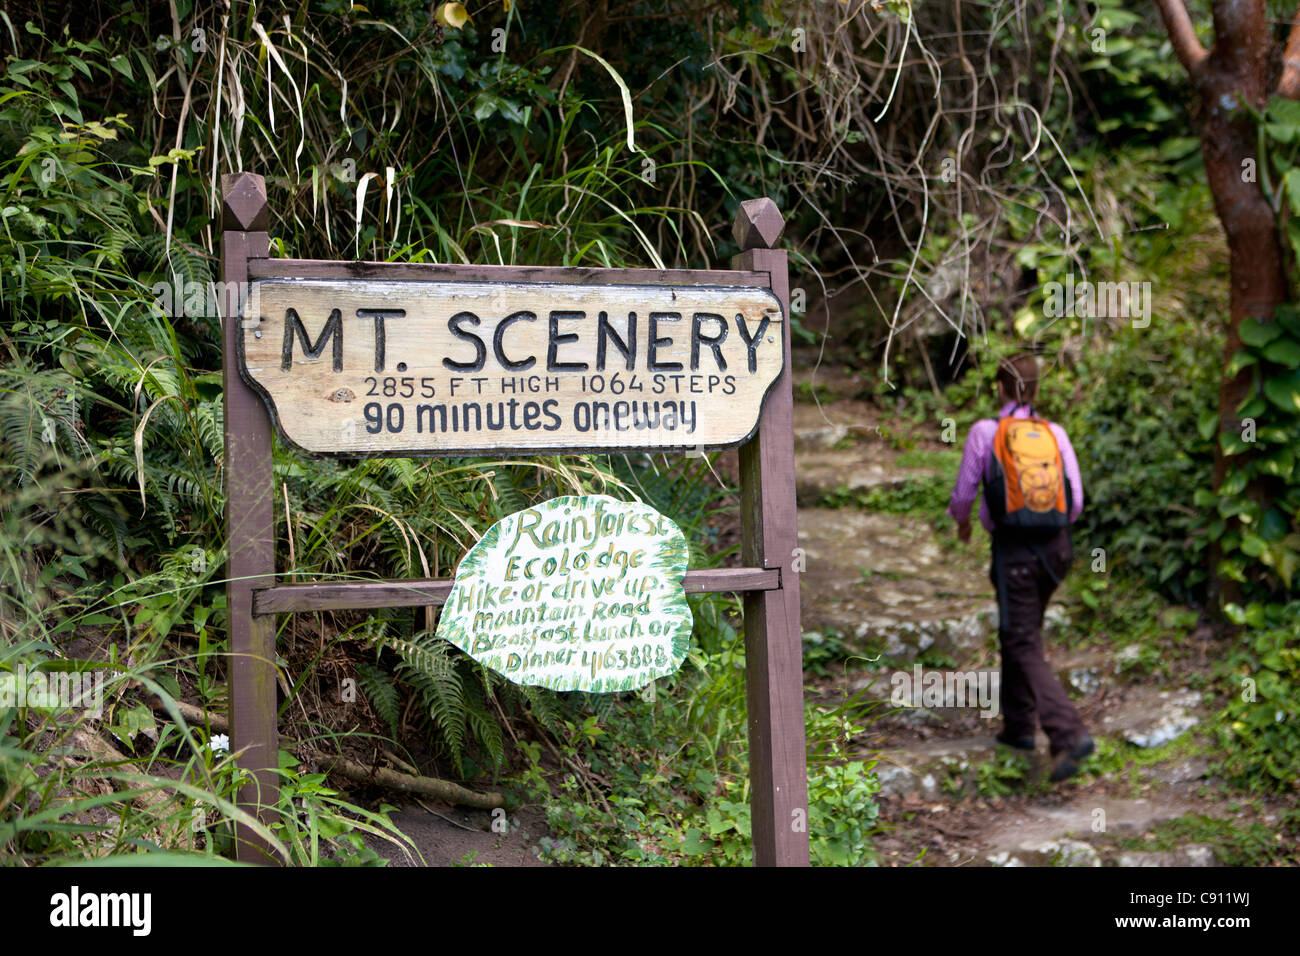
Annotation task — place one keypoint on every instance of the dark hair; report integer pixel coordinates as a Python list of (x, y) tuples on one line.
[(1018, 376)]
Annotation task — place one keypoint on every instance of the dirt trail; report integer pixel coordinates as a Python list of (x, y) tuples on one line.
[(889, 591), (888, 586)]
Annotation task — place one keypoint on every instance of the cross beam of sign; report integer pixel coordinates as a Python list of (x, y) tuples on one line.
[(410, 367), (402, 359)]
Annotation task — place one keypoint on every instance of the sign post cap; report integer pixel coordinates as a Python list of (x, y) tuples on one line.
[(758, 224), (243, 202)]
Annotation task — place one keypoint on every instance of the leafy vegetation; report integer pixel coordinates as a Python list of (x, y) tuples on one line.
[(1233, 843), (1060, 150), (679, 762), (1259, 728)]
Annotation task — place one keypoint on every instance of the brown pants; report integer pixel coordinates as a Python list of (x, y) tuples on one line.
[(1025, 577)]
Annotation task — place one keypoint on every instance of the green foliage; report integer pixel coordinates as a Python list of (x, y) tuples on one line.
[(1235, 842), (925, 496), (456, 151), (321, 828), (1260, 534), (1119, 761), (1259, 727), (381, 692), (110, 391), (842, 811), (155, 790), (453, 692), (825, 653), (1135, 209), (1003, 775), (678, 767), (1256, 507), (1134, 431)]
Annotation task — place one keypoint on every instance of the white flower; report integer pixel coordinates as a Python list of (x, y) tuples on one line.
[(220, 743)]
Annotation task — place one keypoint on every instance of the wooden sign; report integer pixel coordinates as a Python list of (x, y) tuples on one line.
[(399, 359), (578, 593), (364, 367)]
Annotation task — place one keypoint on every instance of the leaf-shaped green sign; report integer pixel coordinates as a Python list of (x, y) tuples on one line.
[(577, 593)]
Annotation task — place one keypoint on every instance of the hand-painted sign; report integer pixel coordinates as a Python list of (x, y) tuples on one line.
[(395, 368), (578, 593)]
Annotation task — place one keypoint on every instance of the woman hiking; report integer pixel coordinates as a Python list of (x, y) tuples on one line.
[(1032, 494)]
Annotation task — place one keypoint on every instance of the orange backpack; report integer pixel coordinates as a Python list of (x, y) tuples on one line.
[(1025, 485)]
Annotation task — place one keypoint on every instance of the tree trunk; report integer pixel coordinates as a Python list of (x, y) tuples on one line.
[(1230, 76), (1257, 276)]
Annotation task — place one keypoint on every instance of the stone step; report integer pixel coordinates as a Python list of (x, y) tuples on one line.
[(924, 768), (825, 475), (829, 380), (884, 583), (1139, 715), (1040, 835), (1193, 854), (1048, 853), (934, 689), (1082, 672), (847, 446), (818, 427), (1151, 717), (1067, 852)]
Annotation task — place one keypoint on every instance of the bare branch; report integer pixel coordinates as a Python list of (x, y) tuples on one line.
[(1182, 35)]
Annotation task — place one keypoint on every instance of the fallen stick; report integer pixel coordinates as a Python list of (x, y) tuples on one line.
[(196, 716), (407, 783), (425, 786)]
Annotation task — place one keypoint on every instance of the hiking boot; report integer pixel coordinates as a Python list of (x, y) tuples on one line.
[(1019, 743), (1066, 763)]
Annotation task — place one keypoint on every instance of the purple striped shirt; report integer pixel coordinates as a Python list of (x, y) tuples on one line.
[(975, 459)]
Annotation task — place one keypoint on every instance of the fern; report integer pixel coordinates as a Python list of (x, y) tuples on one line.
[(381, 692), (542, 704), (20, 432), (511, 499), (427, 664), (482, 721)]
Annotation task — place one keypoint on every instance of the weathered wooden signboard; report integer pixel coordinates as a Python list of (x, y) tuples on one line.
[(400, 359), (577, 593), (370, 367)]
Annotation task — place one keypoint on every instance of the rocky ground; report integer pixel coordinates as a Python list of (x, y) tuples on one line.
[(892, 593), (884, 592)]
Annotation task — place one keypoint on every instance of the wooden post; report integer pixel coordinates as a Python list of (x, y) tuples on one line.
[(773, 636), (250, 516)]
